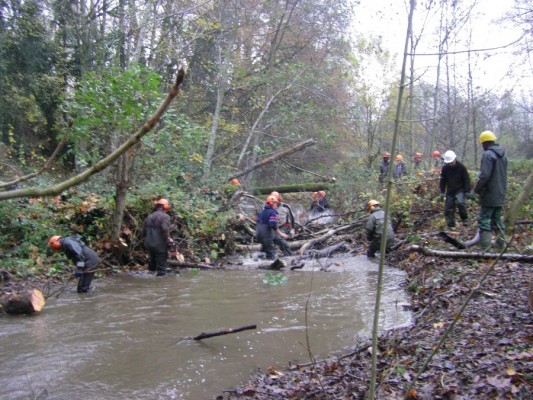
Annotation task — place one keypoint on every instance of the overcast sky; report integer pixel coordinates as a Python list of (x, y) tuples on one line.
[(388, 19)]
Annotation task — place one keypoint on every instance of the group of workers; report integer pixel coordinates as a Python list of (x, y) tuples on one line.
[(275, 222), (455, 187)]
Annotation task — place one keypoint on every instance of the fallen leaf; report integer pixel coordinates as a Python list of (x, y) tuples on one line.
[(500, 383)]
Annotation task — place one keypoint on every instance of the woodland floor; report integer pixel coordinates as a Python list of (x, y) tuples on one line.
[(487, 355)]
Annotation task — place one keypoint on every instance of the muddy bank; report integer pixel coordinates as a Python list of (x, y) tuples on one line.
[(488, 354)]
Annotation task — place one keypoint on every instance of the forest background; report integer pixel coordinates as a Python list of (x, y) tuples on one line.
[(78, 79)]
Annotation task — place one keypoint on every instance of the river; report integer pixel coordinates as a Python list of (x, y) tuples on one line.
[(126, 339)]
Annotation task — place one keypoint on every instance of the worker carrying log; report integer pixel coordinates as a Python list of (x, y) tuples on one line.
[(84, 258)]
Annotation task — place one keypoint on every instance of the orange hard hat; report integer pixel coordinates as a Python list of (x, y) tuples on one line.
[(235, 182), (436, 153), (54, 243), (277, 195), (399, 157), (371, 204), (385, 155), (322, 193), (271, 200), (164, 203)]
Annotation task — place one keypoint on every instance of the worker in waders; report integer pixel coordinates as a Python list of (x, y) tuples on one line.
[(84, 258), (266, 227), (375, 228), (285, 224), (156, 235)]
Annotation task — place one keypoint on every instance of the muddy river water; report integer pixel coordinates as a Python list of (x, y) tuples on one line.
[(125, 339)]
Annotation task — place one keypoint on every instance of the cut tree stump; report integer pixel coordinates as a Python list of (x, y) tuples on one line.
[(29, 302)]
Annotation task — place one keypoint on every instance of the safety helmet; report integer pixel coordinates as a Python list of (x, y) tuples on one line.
[(449, 156), (436, 153), (271, 200), (371, 204), (164, 203), (315, 195), (399, 157), (321, 193), (487, 136), (235, 182), (419, 155), (54, 243), (385, 155), (277, 195)]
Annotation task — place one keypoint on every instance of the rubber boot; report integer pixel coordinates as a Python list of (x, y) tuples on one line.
[(500, 242), (485, 241)]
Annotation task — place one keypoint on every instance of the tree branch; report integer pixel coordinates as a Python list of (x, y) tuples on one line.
[(105, 162)]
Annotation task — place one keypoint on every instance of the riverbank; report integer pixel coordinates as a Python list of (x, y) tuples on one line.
[(488, 354)]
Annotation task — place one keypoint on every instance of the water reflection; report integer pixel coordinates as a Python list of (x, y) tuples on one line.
[(126, 339)]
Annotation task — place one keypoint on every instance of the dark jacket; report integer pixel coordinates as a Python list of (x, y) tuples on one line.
[(266, 223), (77, 251), (374, 227), (156, 230), (454, 179), (383, 170), (399, 170), (492, 183)]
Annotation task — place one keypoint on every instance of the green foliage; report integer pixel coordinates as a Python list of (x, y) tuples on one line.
[(274, 279)]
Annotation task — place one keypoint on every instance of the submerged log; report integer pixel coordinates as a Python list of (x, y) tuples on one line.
[(222, 332), (23, 303), (178, 264)]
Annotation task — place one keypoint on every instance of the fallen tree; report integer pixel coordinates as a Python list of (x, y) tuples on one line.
[(464, 254), (275, 157)]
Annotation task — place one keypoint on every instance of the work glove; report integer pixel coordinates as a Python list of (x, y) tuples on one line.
[(442, 197)]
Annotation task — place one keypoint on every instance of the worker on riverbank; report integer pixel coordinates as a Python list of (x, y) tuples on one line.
[(383, 169), (454, 188), (437, 162), (400, 169), (375, 228), (417, 161), (84, 258), (491, 187), (156, 235), (285, 224), (266, 227)]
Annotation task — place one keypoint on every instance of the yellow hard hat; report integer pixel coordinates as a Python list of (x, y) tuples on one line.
[(487, 136)]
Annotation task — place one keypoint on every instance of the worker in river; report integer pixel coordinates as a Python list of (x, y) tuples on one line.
[(84, 258), (156, 235), (285, 224), (375, 229), (266, 227)]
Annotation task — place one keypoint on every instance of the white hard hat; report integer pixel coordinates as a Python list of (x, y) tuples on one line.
[(449, 156)]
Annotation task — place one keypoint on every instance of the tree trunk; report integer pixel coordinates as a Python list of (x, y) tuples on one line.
[(23, 303)]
